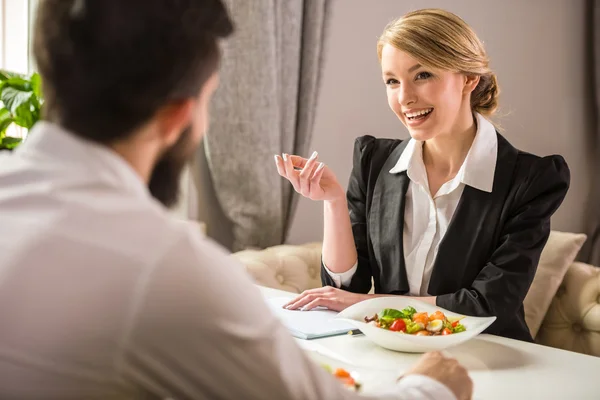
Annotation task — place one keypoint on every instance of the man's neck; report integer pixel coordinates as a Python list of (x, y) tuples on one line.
[(140, 153)]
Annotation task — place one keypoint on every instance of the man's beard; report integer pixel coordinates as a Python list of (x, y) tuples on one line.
[(166, 176)]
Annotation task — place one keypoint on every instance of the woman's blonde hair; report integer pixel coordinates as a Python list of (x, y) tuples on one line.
[(440, 39)]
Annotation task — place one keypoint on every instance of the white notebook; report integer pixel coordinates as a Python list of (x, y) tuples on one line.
[(311, 324)]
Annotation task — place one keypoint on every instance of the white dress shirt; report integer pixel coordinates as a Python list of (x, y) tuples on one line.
[(427, 216), (104, 295)]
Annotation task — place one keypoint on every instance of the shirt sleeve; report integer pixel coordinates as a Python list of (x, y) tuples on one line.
[(423, 387), (341, 279), (200, 328)]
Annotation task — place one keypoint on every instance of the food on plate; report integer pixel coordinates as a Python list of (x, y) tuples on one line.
[(411, 322), (344, 377)]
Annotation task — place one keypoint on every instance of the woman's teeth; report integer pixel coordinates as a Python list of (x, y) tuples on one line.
[(418, 114)]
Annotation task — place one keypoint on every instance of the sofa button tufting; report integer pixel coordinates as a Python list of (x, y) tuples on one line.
[(312, 272), (577, 328), (280, 278), (561, 291)]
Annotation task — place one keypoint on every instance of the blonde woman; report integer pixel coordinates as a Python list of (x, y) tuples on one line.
[(455, 215)]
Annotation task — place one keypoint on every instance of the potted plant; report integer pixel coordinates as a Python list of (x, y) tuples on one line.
[(20, 104)]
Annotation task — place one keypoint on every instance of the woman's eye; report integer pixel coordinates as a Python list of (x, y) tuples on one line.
[(391, 81), (423, 75)]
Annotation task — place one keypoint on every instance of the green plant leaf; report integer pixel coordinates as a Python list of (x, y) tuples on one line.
[(5, 121), (4, 113), (36, 84), (10, 142), (25, 115), (13, 98), (19, 84), (5, 75), (21, 98), (22, 106)]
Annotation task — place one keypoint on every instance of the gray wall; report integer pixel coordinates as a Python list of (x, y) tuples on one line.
[(538, 49)]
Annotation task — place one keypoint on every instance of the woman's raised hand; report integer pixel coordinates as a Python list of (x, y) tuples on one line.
[(311, 178)]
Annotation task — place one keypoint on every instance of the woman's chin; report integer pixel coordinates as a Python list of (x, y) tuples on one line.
[(420, 135)]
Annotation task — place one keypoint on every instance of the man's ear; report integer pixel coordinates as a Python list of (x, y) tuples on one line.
[(471, 82), (173, 119)]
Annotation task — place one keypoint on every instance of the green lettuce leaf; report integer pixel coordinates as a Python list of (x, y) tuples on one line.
[(409, 312), (414, 327)]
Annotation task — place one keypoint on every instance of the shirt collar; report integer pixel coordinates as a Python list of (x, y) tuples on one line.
[(49, 142), (479, 166)]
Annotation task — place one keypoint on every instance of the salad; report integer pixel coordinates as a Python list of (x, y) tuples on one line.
[(344, 377), (414, 323)]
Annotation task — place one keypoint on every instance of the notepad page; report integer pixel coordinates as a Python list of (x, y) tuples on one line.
[(308, 324)]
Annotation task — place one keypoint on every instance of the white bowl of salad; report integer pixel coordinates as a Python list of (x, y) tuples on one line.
[(408, 325)]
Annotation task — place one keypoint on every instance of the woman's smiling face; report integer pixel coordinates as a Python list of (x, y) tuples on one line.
[(429, 102)]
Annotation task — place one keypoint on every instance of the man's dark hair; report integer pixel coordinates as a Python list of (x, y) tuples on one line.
[(108, 65)]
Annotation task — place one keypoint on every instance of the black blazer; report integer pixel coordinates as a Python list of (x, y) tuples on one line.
[(488, 257)]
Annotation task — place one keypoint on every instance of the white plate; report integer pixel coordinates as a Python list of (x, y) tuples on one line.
[(371, 381), (356, 313)]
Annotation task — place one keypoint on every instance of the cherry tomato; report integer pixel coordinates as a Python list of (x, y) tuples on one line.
[(455, 323), (446, 331), (398, 325)]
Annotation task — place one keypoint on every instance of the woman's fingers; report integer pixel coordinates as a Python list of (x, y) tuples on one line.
[(280, 166), (299, 301), (304, 300), (291, 174), (301, 172), (297, 161), (321, 301), (306, 173), (306, 297), (315, 179)]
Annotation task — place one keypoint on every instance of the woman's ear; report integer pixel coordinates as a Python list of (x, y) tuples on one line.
[(471, 82), (173, 119)]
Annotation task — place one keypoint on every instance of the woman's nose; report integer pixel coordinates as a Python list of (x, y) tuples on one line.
[(406, 95)]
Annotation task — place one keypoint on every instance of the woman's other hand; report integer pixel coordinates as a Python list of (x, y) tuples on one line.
[(329, 297)]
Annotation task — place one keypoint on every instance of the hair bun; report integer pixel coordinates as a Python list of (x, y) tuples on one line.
[(484, 98)]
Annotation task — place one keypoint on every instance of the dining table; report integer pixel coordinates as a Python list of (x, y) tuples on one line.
[(501, 368)]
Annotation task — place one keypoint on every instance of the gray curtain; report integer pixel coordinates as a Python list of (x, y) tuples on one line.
[(265, 105), (592, 249)]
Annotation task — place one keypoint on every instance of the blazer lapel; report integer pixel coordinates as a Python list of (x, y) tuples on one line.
[(476, 217), (386, 222)]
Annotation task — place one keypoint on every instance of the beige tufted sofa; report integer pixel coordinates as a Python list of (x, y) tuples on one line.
[(569, 319)]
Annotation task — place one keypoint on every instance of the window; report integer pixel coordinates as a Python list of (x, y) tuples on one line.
[(15, 34)]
